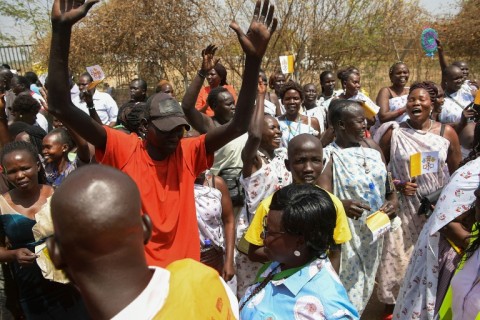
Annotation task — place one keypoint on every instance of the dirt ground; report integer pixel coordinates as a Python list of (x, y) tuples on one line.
[(374, 309)]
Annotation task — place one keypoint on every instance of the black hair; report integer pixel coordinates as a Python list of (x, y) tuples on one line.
[(21, 80), (273, 78), (428, 86), (31, 77), (222, 73), (23, 146), (393, 66), (143, 83), (86, 75), (324, 74), (25, 103), (6, 66), (344, 74), (308, 211), (131, 115), (291, 85), (337, 107), (35, 133), (64, 136), (212, 98)]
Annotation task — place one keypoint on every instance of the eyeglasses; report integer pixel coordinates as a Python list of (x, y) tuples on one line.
[(265, 231)]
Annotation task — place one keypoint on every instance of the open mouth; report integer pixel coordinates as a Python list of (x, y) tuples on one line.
[(416, 111)]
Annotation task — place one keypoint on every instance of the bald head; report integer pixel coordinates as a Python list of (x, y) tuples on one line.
[(453, 77), (96, 211), (302, 141), (305, 158)]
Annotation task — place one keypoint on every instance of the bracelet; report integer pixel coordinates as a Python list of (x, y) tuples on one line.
[(92, 107), (201, 74)]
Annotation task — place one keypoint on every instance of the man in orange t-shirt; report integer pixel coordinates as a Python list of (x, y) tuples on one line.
[(165, 164)]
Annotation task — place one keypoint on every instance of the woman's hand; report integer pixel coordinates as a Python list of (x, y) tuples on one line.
[(389, 207), (254, 43), (354, 209), (262, 87), (208, 63), (228, 271), (407, 188), (25, 257)]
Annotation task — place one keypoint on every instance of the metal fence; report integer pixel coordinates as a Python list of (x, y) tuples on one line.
[(18, 57)]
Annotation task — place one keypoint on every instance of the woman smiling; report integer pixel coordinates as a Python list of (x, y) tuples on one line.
[(292, 123), (419, 133)]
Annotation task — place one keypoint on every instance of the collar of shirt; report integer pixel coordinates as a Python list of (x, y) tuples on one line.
[(299, 279), (151, 300)]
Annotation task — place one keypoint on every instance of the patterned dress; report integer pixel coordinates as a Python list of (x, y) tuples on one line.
[(291, 129), (298, 296), (417, 297), (359, 174), (269, 178), (398, 244), (396, 103)]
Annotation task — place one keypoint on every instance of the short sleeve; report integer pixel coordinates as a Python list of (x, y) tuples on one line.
[(341, 233), (195, 154), (119, 148), (256, 227)]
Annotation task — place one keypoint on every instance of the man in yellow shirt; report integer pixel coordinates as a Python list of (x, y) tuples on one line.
[(305, 162)]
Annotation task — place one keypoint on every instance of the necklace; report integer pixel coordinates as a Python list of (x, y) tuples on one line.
[(260, 286), (364, 165), (429, 128)]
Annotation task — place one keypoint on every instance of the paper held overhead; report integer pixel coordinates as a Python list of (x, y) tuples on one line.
[(97, 74), (286, 64)]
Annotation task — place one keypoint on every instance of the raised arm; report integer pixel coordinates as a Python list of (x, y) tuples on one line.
[(65, 13), (198, 120), (254, 44), (249, 152), (441, 55)]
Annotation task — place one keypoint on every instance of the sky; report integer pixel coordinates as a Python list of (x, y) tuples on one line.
[(435, 7), (440, 7)]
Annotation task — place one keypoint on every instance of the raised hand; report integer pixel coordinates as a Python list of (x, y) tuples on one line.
[(263, 25), (262, 86), (439, 45), (209, 62), (68, 12)]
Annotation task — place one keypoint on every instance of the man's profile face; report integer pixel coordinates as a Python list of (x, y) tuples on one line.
[(83, 83)]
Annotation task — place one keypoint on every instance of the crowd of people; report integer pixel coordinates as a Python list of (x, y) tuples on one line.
[(250, 205)]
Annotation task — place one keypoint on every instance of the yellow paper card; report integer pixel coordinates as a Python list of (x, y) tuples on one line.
[(416, 164), (378, 223), (369, 112)]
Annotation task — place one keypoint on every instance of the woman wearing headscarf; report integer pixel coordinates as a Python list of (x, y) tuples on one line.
[(216, 77)]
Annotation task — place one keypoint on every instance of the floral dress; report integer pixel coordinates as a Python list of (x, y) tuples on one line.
[(272, 176)]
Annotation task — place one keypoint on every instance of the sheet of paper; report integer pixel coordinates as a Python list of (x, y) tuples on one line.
[(378, 223)]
